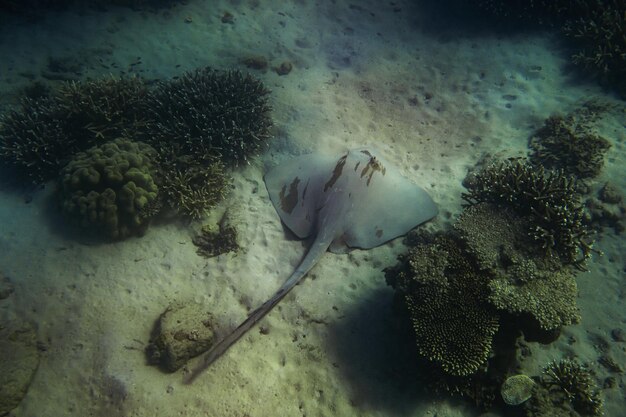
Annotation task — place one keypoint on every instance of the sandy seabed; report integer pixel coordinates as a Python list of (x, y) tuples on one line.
[(432, 99)]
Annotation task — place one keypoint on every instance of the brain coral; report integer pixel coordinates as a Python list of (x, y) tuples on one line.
[(110, 188), (446, 300)]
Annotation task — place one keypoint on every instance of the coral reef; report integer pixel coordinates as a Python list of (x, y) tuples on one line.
[(599, 34), (548, 198), (566, 388), (522, 282), (101, 110), (595, 28), (445, 298), (207, 113), (192, 187), (40, 137), (108, 187), (563, 143), (199, 124)]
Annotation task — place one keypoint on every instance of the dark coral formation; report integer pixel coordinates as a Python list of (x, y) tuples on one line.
[(191, 188), (599, 33), (548, 198), (207, 113), (566, 143), (199, 124), (446, 299), (596, 29), (566, 388), (108, 188), (456, 286), (40, 137), (507, 267), (521, 281), (104, 109), (210, 242)]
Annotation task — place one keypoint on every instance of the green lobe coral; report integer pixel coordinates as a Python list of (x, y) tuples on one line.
[(110, 188)]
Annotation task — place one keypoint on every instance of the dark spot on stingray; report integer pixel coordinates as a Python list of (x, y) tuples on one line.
[(336, 172), (379, 232), (304, 191), (288, 202)]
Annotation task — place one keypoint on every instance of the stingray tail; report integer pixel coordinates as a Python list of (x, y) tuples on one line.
[(316, 251)]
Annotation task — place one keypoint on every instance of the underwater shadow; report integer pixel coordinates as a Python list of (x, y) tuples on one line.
[(59, 225), (376, 357), (458, 19)]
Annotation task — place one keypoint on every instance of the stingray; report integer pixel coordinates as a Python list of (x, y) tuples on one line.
[(354, 200)]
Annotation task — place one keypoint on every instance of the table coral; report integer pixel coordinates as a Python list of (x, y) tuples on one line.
[(108, 188), (445, 297), (522, 282)]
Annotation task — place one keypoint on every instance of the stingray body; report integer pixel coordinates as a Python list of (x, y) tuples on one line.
[(354, 200)]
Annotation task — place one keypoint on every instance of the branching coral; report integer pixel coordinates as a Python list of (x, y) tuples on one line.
[(193, 187), (109, 188), (33, 140), (521, 282), (446, 301), (39, 137), (104, 109), (207, 113), (566, 388), (599, 32), (563, 143), (548, 198), (597, 29)]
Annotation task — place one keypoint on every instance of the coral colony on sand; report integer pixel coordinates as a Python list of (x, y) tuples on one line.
[(122, 150), (507, 268), (595, 30)]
